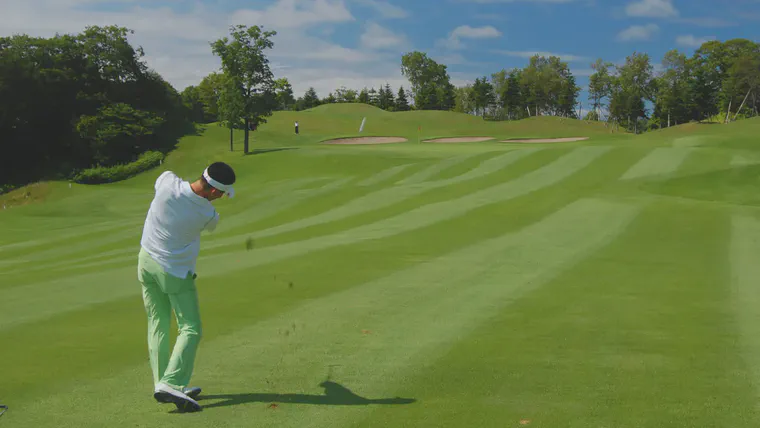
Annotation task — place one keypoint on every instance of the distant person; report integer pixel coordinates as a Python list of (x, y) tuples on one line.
[(170, 244), (296, 127)]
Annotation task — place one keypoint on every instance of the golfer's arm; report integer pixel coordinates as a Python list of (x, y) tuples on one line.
[(211, 225)]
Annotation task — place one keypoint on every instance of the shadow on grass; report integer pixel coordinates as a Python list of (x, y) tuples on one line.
[(277, 149), (335, 395)]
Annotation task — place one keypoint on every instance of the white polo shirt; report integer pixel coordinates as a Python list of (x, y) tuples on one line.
[(173, 226)]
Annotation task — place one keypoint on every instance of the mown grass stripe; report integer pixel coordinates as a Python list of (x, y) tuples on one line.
[(630, 324), (384, 175), (742, 160), (50, 298), (389, 196), (66, 256), (19, 250), (745, 286), (278, 204), (287, 200), (436, 168), (660, 161), (412, 317)]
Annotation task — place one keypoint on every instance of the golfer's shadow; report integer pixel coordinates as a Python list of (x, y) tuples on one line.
[(335, 395)]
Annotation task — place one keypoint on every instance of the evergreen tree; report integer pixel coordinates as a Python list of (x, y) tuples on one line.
[(402, 104), (385, 97), (310, 99), (364, 96)]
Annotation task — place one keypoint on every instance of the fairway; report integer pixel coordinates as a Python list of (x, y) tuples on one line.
[(609, 281)]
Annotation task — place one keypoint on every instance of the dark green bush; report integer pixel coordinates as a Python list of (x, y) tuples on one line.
[(100, 174)]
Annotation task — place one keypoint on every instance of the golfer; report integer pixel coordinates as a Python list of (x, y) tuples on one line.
[(170, 244)]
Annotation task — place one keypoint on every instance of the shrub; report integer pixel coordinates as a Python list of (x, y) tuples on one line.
[(101, 174)]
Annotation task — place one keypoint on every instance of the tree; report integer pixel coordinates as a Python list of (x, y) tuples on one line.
[(600, 86), (343, 95), (116, 130), (712, 63), (402, 104), (430, 81), (631, 87), (244, 61), (192, 101), (742, 81), (482, 95), (330, 99), (231, 107), (499, 81), (674, 101), (284, 94), (385, 98), (567, 98), (548, 87), (72, 101), (465, 100), (374, 97), (511, 97), (310, 99), (445, 94), (364, 96), (209, 91)]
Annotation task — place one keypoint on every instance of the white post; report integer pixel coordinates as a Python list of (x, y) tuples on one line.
[(741, 106)]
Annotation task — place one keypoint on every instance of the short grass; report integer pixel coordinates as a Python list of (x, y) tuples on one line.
[(605, 283)]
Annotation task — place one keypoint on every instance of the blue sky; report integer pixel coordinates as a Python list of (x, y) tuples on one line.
[(355, 43)]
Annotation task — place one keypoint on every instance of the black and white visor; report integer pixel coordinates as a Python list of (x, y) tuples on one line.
[(226, 188)]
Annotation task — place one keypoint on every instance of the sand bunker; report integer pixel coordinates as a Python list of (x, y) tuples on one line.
[(366, 140), (459, 140), (546, 140)]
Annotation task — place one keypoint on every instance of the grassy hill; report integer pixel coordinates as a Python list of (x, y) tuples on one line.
[(335, 121), (610, 282)]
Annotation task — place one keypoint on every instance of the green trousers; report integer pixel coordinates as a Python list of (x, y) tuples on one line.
[(163, 293)]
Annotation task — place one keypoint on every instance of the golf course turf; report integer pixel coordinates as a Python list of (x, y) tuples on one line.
[(610, 282)]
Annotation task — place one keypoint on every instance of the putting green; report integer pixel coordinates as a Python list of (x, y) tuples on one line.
[(459, 140), (608, 283), (366, 140)]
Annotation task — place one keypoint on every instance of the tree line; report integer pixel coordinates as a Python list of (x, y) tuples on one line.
[(544, 87), (72, 102), (720, 81), (202, 100)]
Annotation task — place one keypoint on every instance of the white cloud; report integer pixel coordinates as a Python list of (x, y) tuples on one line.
[(385, 9), (530, 54), (638, 32), (691, 41), (652, 9), (378, 37), (467, 32), (295, 14), (176, 43), (454, 41)]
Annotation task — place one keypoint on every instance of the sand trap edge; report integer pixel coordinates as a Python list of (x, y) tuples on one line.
[(546, 140), (366, 140), (459, 140)]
